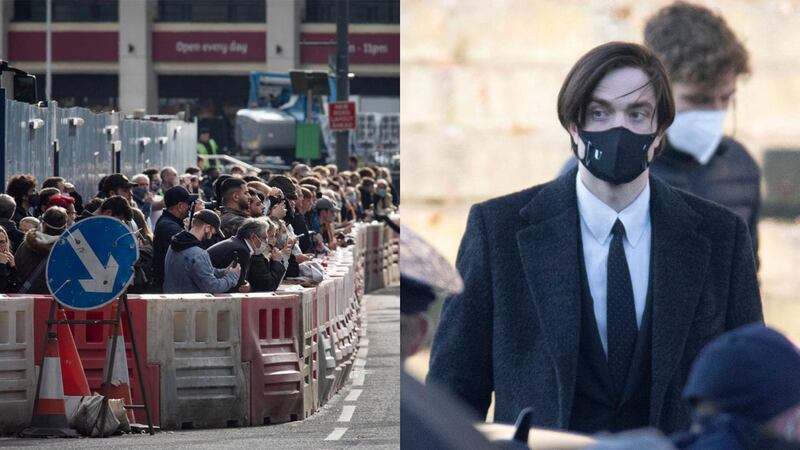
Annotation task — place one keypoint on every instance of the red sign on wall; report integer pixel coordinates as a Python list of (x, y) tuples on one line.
[(67, 46), (342, 115), (242, 46), (365, 48)]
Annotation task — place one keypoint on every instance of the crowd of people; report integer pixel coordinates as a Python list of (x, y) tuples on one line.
[(202, 231)]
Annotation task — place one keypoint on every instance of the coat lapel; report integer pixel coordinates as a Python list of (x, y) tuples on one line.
[(549, 252), (680, 262)]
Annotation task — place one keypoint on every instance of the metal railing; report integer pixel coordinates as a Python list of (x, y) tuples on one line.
[(83, 146)]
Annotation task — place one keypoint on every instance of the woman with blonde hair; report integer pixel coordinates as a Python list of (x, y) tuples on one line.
[(9, 282)]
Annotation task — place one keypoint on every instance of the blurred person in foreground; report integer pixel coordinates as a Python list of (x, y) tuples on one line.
[(744, 389), (588, 297), (424, 276)]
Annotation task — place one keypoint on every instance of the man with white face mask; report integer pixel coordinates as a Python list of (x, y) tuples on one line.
[(704, 59)]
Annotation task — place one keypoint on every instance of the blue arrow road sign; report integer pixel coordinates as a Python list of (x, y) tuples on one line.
[(91, 264)]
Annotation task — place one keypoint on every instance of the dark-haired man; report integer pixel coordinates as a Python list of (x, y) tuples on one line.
[(117, 207), (118, 184), (178, 203), (588, 297), (23, 189), (235, 202)]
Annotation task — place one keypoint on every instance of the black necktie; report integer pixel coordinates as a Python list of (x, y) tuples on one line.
[(621, 312)]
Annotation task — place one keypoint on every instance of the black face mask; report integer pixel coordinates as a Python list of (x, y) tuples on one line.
[(33, 199), (139, 193), (617, 155)]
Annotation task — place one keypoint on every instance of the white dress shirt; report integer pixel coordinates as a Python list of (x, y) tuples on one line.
[(597, 220)]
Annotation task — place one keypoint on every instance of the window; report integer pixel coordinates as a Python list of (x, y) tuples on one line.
[(361, 11), (67, 10), (212, 11)]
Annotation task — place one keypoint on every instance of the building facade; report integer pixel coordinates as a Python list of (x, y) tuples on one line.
[(165, 56)]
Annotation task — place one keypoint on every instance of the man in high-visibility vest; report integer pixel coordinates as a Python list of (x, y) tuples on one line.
[(207, 146)]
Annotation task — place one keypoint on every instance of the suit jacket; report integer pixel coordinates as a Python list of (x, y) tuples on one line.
[(516, 327), (223, 253)]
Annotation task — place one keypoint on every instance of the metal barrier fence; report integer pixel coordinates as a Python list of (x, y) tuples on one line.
[(86, 143), (217, 360)]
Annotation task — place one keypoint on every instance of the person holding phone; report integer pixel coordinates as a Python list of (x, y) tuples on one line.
[(188, 268), (251, 240)]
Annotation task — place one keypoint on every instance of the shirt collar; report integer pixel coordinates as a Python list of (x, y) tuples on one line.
[(600, 218)]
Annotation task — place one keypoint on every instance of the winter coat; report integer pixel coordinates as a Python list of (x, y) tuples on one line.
[(33, 250), (188, 269), (265, 274), (14, 235), (166, 227)]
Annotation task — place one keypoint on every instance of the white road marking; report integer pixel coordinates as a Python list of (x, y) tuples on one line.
[(353, 395), (364, 354), (364, 343), (360, 362), (359, 381), (336, 434), (347, 413)]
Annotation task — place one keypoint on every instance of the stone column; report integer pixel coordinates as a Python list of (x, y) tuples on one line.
[(138, 85), (283, 34)]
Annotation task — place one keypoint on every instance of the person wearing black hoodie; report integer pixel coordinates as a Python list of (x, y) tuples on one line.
[(187, 267)]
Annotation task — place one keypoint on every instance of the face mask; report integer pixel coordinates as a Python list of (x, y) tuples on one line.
[(261, 247), (697, 133), (139, 192), (352, 198), (155, 185), (33, 199), (381, 193), (617, 155)]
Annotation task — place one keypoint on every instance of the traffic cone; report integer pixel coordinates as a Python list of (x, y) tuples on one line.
[(50, 419), (74, 378), (120, 381)]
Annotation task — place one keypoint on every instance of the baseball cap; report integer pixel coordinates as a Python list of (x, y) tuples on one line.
[(178, 194), (60, 200), (324, 203), (751, 372), (209, 218), (116, 181), (424, 273)]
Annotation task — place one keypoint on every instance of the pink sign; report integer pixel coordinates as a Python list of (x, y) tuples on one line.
[(365, 48), (242, 46), (67, 46)]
